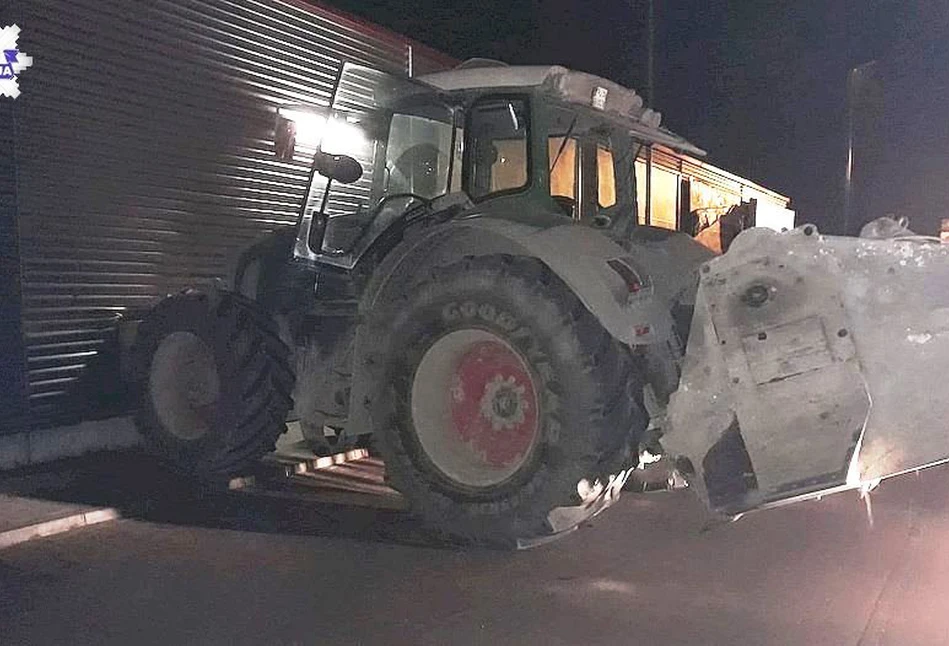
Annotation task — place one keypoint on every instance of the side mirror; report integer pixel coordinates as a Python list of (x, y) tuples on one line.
[(339, 168)]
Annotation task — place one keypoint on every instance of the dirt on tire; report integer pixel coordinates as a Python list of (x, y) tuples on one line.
[(244, 403), (589, 395)]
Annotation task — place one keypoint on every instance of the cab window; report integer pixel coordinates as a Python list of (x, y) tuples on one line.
[(497, 148), (418, 155), (605, 177), (582, 166), (564, 159)]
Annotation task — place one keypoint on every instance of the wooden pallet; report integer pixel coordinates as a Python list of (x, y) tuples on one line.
[(294, 471)]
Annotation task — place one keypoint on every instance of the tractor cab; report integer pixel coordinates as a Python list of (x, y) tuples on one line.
[(556, 142), (541, 145)]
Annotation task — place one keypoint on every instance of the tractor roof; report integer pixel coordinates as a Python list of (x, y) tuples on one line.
[(489, 75), (579, 88)]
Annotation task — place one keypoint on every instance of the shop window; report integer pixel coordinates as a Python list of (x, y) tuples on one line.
[(641, 190), (665, 198)]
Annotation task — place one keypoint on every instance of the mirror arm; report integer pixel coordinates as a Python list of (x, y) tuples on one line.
[(320, 219), (306, 197), (318, 226)]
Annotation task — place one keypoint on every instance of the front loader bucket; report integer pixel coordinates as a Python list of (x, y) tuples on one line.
[(814, 364)]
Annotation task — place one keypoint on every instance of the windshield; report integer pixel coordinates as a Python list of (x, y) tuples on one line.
[(405, 154), (418, 155), (401, 136)]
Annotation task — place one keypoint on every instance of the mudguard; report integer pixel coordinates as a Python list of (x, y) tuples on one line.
[(815, 364), (635, 314), (631, 305)]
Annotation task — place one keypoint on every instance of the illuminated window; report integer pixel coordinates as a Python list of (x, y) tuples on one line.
[(563, 167), (606, 177), (641, 190), (664, 195), (708, 203)]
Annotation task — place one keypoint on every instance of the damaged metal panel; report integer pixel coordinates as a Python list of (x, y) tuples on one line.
[(815, 363), (144, 157)]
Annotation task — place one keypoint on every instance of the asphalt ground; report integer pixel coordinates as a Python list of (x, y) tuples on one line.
[(187, 566)]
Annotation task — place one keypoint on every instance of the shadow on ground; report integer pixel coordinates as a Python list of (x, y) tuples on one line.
[(140, 488)]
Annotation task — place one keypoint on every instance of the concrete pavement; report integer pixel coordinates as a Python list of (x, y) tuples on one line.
[(29, 511), (232, 570)]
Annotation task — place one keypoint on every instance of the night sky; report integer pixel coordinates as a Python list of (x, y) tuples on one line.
[(760, 84)]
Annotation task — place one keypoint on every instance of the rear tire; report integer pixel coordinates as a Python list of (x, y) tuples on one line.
[(215, 387), (499, 401)]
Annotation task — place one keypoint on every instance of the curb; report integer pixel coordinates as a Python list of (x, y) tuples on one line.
[(13, 537)]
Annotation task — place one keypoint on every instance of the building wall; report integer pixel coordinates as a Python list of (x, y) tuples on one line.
[(12, 386), (671, 186), (144, 160)]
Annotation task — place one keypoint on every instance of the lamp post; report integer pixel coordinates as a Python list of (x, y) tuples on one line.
[(857, 96), (650, 51)]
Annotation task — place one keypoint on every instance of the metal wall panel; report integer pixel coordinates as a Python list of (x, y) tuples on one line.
[(145, 160), (12, 382)]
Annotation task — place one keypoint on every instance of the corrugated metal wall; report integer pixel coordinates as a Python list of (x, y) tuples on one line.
[(145, 159), (12, 358), (12, 382)]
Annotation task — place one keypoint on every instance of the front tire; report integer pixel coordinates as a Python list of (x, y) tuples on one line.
[(215, 387), (501, 407)]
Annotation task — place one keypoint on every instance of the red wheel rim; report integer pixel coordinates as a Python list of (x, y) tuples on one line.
[(493, 403), (475, 407)]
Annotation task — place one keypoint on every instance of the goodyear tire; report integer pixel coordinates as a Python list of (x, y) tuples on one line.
[(501, 406), (215, 383)]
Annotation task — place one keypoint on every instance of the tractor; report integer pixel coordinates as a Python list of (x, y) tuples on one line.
[(468, 289)]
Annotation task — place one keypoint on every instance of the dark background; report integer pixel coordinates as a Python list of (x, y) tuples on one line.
[(760, 84)]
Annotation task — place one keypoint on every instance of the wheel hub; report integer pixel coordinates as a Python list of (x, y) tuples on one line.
[(503, 403), (184, 385), (482, 427)]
